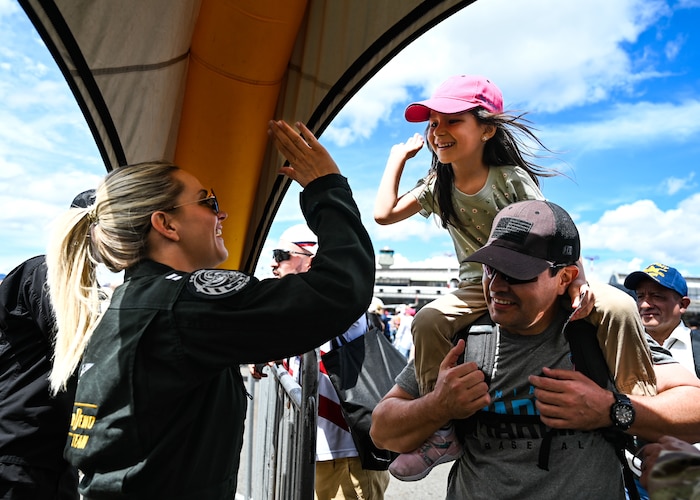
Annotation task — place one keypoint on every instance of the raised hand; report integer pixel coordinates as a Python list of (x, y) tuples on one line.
[(308, 159)]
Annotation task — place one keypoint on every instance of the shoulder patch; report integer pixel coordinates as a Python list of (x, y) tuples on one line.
[(216, 283)]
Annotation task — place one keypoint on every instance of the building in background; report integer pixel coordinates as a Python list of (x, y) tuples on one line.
[(416, 286)]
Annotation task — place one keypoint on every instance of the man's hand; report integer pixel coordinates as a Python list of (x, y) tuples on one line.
[(402, 423), (651, 453), (460, 390), (256, 371), (568, 399)]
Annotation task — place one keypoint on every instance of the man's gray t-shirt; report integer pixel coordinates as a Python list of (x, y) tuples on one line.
[(501, 458)]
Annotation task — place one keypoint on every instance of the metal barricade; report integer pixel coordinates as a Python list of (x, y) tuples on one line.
[(278, 461)]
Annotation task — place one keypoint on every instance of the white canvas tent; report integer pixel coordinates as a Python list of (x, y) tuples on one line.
[(196, 81)]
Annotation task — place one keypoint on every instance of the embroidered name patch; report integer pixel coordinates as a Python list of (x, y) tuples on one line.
[(216, 283)]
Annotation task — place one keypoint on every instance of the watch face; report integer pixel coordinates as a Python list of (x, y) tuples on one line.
[(624, 414)]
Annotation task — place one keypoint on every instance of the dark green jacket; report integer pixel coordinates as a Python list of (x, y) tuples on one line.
[(160, 402)]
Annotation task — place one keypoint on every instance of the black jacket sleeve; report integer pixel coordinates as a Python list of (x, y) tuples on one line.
[(24, 301), (275, 318)]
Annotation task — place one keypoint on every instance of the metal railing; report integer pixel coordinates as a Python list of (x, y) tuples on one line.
[(278, 460)]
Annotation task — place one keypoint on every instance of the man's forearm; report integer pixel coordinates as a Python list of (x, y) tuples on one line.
[(675, 412), (402, 424)]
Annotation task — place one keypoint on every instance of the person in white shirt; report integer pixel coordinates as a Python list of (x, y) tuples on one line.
[(339, 471), (662, 298), (403, 339)]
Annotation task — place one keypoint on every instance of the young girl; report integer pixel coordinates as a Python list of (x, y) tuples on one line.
[(478, 168)]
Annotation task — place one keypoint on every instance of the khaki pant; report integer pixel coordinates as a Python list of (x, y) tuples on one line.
[(344, 478), (619, 331)]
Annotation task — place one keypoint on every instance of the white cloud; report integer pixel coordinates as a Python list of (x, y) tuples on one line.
[(673, 185), (534, 50), (8, 7), (628, 124), (673, 47), (646, 232)]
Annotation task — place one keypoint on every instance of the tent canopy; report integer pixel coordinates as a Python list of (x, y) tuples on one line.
[(196, 82)]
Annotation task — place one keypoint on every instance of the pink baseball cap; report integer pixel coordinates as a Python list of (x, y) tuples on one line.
[(458, 94)]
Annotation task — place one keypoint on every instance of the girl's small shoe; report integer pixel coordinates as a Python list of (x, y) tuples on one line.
[(439, 448)]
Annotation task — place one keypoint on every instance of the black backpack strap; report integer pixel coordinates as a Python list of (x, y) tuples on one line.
[(588, 358), (586, 353), (695, 343), (482, 344)]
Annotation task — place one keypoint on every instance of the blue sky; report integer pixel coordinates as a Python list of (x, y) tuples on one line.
[(613, 87)]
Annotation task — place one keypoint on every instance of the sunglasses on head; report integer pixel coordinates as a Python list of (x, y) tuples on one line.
[(282, 255), (209, 201)]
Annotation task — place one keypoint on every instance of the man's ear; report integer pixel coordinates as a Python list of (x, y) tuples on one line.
[(308, 266), (685, 303), (567, 276), (162, 223)]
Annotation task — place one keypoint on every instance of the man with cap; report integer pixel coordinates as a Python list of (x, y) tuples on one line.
[(662, 298), (295, 249), (529, 261), (339, 472), (34, 423)]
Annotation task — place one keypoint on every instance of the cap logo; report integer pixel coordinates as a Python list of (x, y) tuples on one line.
[(568, 250), (486, 100), (512, 229), (656, 270)]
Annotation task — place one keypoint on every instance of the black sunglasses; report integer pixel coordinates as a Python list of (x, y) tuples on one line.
[(491, 272), (282, 255), (209, 201)]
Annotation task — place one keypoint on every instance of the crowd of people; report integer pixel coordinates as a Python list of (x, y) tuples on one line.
[(534, 382)]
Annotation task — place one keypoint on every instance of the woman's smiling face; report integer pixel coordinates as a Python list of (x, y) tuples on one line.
[(200, 228)]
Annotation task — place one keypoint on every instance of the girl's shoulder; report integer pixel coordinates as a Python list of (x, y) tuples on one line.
[(513, 173), (507, 169), (514, 180)]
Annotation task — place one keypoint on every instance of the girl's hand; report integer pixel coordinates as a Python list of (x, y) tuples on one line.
[(408, 149), (582, 299)]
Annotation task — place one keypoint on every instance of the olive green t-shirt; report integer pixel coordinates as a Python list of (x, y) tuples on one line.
[(505, 185)]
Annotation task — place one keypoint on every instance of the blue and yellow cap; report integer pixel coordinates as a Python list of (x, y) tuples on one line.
[(664, 275)]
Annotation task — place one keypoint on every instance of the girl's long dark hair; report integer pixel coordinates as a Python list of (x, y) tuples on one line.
[(506, 147)]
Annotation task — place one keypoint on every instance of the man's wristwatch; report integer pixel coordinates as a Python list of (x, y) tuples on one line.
[(622, 412)]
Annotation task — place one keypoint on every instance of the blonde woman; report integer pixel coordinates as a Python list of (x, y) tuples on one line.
[(160, 401)]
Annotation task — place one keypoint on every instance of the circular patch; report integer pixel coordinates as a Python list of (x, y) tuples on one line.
[(217, 283)]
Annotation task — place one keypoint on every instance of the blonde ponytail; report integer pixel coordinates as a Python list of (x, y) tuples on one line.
[(74, 292), (114, 231)]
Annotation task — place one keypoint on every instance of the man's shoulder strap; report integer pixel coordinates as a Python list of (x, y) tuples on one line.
[(482, 338), (695, 343), (586, 354), (482, 344)]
